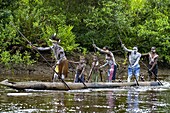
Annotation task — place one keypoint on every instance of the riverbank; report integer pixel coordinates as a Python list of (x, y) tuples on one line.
[(42, 68)]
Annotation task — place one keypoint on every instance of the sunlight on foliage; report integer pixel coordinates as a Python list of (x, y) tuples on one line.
[(67, 37), (137, 4), (144, 23)]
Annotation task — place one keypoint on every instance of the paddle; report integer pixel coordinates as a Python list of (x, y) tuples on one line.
[(40, 55), (132, 70), (151, 72)]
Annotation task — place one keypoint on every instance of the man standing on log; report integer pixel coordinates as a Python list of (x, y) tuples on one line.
[(61, 65), (153, 63), (134, 67), (110, 60)]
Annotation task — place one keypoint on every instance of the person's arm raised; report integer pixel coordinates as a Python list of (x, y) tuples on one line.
[(43, 48), (101, 50), (128, 50)]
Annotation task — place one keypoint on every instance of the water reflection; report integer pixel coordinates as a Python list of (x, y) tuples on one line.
[(133, 101), (111, 100), (127, 99)]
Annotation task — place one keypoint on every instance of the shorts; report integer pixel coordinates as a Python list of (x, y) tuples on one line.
[(134, 71)]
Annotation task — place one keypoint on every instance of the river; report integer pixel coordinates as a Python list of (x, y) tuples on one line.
[(137, 99)]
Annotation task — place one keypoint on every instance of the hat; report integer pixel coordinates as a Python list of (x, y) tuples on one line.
[(135, 48), (54, 38), (153, 48)]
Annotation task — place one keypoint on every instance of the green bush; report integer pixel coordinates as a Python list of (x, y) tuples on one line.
[(144, 23)]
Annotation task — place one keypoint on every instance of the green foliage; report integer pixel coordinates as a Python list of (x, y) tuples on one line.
[(27, 58), (5, 58), (152, 26), (100, 23), (67, 37), (16, 59), (137, 5), (144, 23)]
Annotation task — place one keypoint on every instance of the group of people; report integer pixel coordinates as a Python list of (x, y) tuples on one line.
[(134, 67), (61, 66)]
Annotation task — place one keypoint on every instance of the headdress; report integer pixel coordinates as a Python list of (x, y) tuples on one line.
[(54, 38)]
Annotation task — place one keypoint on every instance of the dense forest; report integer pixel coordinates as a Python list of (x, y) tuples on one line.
[(79, 23)]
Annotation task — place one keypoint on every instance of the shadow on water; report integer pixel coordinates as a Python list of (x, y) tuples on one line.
[(125, 99)]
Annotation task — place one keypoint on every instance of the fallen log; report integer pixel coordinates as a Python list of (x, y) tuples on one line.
[(35, 85)]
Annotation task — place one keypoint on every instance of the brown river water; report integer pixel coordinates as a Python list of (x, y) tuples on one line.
[(136, 99)]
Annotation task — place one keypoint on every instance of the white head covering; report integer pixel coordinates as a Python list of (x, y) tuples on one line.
[(54, 39)]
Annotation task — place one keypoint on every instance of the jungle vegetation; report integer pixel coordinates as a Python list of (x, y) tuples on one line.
[(144, 23)]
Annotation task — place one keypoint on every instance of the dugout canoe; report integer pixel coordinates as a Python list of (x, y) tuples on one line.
[(35, 85)]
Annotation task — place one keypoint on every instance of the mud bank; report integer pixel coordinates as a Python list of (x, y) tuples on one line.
[(42, 68)]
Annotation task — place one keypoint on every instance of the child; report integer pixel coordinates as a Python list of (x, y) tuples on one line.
[(79, 76), (94, 70)]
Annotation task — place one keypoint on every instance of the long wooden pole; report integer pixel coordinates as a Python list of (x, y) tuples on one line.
[(40, 55), (152, 72)]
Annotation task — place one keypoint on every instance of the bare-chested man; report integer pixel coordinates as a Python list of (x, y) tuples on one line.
[(153, 63)]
